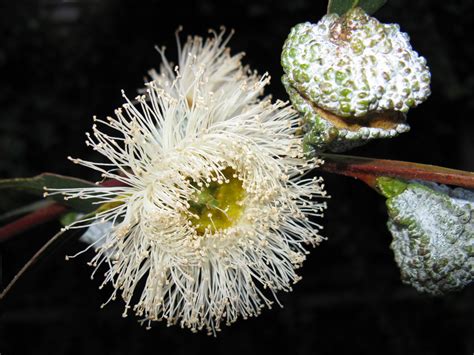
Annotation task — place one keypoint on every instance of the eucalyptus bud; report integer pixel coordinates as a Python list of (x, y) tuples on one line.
[(353, 78), (433, 234)]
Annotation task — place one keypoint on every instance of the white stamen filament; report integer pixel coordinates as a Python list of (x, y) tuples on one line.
[(189, 125)]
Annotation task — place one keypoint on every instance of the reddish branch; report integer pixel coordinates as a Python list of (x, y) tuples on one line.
[(42, 215), (368, 170), (364, 169)]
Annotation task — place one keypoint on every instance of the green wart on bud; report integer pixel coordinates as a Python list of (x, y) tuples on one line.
[(353, 78), (433, 234)]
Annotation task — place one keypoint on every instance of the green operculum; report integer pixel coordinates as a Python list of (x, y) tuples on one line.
[(217, 205)]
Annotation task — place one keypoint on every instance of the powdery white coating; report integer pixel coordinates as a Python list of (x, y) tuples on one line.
[(433, 236), (322, 135), (94, 234), (353, 64), (329, 138), (182, 131)]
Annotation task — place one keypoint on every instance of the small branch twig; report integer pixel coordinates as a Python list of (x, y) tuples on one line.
[(62, 236), (369, 169)]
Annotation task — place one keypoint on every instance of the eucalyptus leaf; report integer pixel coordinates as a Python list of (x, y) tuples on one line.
[(12, 200), (340, 7), (28, 208), (69, 218), (35, 186)]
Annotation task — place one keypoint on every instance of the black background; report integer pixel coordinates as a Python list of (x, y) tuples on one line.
[(62, 62)]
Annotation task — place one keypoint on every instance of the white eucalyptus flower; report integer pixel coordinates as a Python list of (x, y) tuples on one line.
[(215, 214)]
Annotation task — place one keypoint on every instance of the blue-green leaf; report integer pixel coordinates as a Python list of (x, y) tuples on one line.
[(340, 7), (35, 186)]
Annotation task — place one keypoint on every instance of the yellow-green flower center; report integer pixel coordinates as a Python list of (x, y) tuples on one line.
[(218, 205)]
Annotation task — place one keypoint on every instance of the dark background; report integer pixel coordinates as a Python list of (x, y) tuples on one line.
[(62, 62)]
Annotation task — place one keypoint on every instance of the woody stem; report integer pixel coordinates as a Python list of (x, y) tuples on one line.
[(369, 169)]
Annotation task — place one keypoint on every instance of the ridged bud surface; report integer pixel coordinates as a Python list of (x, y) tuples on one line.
[(353, 66), (433, 236)]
